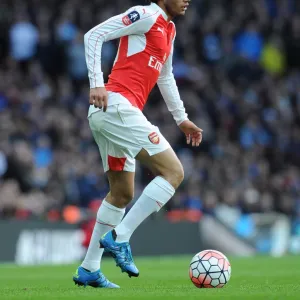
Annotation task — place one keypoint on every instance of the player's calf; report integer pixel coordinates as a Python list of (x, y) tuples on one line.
[(120, 198), (121, 188)]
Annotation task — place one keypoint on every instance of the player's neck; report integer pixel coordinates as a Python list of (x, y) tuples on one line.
[(163, 7)]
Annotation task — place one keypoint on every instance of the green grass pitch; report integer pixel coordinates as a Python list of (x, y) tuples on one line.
[(161, 278)]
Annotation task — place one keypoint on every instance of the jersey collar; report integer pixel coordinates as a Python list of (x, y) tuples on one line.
[(154, 5)]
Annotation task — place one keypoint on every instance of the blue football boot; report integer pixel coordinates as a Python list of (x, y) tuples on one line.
[(121, 252), (96, 279)]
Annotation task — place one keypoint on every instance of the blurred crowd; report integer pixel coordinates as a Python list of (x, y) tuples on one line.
[(237, 65)]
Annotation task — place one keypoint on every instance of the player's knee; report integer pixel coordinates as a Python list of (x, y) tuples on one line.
[(179, 175), (175, 175)]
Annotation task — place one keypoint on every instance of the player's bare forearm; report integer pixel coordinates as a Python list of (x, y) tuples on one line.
[(192, 132)]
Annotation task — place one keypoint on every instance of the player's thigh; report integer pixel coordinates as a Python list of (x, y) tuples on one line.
[(121, 185), (150, 146), (165, 164)]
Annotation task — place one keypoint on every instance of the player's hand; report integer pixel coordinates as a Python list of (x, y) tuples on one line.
[(192, 132), (99, 97)]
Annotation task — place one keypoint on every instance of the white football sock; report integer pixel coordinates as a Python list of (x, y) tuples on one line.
[(156, 194), (108, 217)]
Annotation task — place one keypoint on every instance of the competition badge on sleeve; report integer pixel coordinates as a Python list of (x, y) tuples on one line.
[(131, 18)]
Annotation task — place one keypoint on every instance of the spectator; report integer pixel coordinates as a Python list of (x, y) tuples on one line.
[(249, 43), (24, 37)]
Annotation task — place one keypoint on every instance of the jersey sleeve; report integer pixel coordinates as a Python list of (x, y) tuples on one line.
[(169, 90), (136, 20)]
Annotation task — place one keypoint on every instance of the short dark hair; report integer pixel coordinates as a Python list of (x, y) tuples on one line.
[(149, 1)]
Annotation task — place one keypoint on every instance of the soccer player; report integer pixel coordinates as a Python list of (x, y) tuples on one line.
[(123, 133)]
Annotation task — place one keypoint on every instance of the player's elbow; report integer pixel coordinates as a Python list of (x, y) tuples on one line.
[(94, 37), (164, 79), (86, 38)]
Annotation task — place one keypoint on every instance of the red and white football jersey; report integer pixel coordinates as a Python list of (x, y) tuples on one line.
[(144, 57)]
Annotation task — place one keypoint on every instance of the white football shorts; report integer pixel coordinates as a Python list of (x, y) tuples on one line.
[(122, 132)]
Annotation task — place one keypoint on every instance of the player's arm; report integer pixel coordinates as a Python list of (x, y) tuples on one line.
[(169, 90), (134, 21)]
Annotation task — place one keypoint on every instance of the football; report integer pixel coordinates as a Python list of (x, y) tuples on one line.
[(210, 269)]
